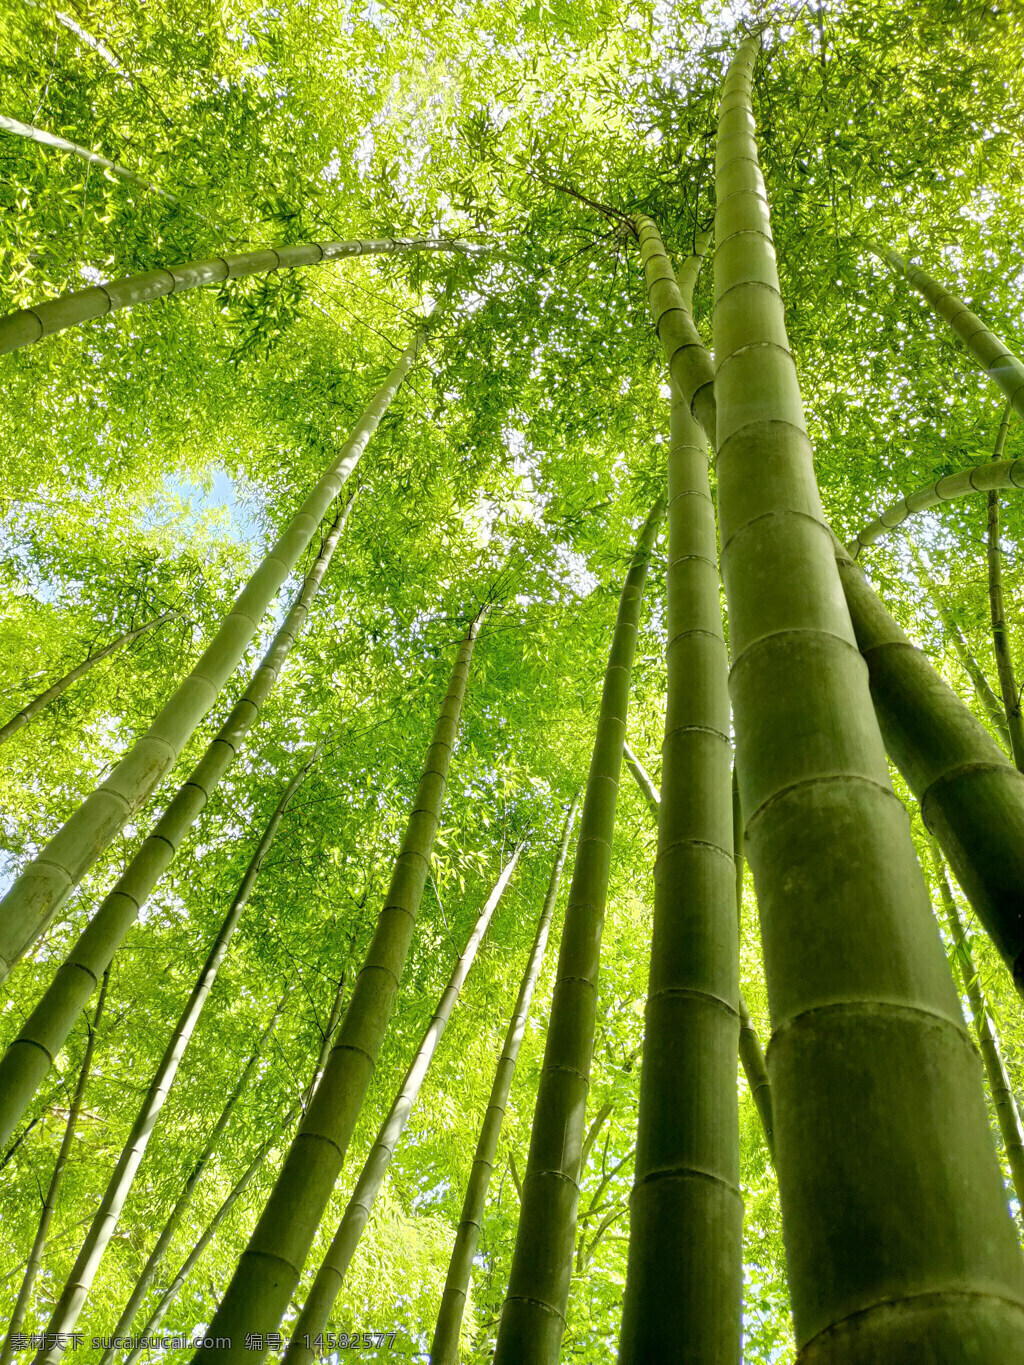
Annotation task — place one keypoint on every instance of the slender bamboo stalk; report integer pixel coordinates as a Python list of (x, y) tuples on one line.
[(56, 1180), (104, 1224), (978, 478), (869, 1044), (269, 1268), (45, 139), (685, 1272), (982, 686), (1000, 634), (43, 319), (32, 1052), (328, 1042), (999, 1086), (28, 712), (984, 347), (331, 1276), (444, 1348), (643, 780), (47, 881), (192, 1259), (971, 796), (533, 1315), (184, 1199)]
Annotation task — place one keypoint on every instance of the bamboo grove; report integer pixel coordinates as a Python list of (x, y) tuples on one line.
[(511, 742)]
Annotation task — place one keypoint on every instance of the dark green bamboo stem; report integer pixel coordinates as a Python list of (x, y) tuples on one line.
[(1001, 636), (444, 1348), (876, 1090), (984, 347), (269, 1268), (163, 1242), (685, 1272), (32, 1052), (971, 796), (27, 713), (979, 478), (999, 1086), (32, 324), (56, 1180), (982, 687), (48, 880), (331, 1276), (533, 1315)]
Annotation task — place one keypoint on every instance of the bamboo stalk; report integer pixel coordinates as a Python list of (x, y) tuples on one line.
[(444, 1348), (269, 1268), (533, 1315), (1000, 634), (56, 1180), (28, 325), (331, 1276), (29, 712), (42, 1036)]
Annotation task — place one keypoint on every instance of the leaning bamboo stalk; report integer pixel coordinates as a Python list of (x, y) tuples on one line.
[(56, 1180), (104, 1224), (971, 796), (533, 1314), (999, 1086), (33, 708), (979, 478), (170, 1227), (41, 1038), (643, 780), (331, 1276), (48, 880), (684, 1275), (270, 1266), (327, 1042), (40, 320), (1000, 635), (986, 349), (444, 1348), (869, 1044)]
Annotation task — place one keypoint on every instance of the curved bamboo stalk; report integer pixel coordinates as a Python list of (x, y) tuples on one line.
[(32, 324), (56, 1180), (41, 1038), (444, 1348), (50, 877), (28, 712), (331, 1276), (987, 350), (533, 1314), (982, 686), (97, 1239), (1000, 634), (869, 1043), (181, 1204), (979, 478), (685, 1272), (999, 1086), (270, 1266), (971, 796)]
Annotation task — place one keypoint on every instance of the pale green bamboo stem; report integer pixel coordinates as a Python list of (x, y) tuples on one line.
[(47, 881), (869, 1045), (41, 1038), (331, 1276), (28, 712), (979, 478), (1000, 634), (999, 1086), (986, 349), (97, 1239), (184, 1199), (41, 320), (982, 686), (269, 1268), (33, 134), (643, 780), (192, 1259), (56, 1180), (533, 1315), (444, 1349), (685, 1272), (328, 1042)]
